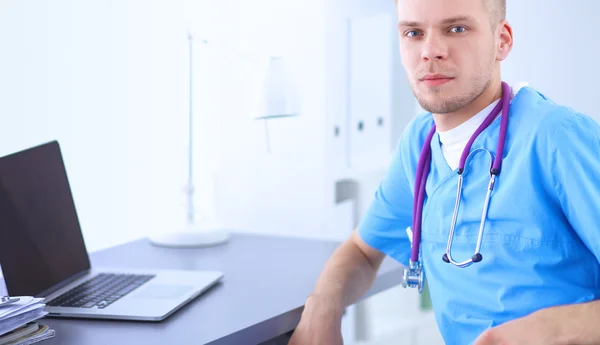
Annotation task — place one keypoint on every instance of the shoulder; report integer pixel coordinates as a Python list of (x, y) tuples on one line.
[(416, 131), (405, 157), (412, 140), (538, 116)]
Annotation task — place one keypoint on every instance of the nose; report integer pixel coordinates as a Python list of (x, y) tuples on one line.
[(434, 48)]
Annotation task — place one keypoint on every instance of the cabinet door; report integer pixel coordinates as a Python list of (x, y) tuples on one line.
[(370, 91)]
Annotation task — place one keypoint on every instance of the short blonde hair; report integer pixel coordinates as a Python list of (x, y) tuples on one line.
[(496, 8)]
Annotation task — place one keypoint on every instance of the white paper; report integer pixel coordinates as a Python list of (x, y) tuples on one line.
[(15, 315), (22, 311), (23, 305), (21, 319)]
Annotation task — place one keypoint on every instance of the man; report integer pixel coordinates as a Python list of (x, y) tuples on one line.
[(539, 277)]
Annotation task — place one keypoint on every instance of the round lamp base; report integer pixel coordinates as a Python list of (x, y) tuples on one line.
[(191, 239)]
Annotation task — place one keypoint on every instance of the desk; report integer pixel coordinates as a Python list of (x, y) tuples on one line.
[(261, 297)]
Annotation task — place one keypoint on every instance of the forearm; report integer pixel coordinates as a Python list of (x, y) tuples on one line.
[(576, 323), (347, 276)]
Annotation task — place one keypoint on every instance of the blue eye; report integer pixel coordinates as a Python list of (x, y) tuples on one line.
[(412, 33), (458, 29)]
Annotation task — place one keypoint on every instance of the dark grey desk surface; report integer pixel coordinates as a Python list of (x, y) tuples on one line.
[(266, 282)]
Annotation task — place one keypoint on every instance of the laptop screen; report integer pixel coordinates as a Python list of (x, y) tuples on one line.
[(41, 243)]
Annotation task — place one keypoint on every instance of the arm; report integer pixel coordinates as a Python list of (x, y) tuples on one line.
[(575, 324), (347, 275), (576, 172), (351, 270)]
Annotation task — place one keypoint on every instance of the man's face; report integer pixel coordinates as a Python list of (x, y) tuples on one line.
[(448, 49)]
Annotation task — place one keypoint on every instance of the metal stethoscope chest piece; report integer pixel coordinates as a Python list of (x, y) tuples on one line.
[(413, 275)]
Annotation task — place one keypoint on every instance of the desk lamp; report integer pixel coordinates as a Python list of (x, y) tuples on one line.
[(279, 100)]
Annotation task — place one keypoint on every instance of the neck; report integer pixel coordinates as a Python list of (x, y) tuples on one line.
[(448, 121)]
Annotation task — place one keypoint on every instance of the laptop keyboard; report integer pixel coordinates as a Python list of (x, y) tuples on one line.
[(100, 291)]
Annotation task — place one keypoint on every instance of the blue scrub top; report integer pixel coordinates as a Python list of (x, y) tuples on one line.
[(541, 242)]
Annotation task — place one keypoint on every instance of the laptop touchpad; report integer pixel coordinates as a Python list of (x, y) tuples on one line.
[(163, 291)]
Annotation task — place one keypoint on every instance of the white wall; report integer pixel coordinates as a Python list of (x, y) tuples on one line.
[(290, 190), (105, 78), (108, 79), (253, 184), (556, 50)]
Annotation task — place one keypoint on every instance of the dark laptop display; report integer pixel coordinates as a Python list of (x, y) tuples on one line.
[(40, 238), (42, 251)]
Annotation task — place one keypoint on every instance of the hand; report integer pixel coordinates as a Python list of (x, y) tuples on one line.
[(528, 330), (320, 324)]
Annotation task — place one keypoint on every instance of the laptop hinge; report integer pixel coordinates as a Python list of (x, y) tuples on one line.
[(63, 283)]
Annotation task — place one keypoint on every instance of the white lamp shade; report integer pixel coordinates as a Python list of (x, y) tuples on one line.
[(279, 96)]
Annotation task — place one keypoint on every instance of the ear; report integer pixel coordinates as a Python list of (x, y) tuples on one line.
[(505, 42)]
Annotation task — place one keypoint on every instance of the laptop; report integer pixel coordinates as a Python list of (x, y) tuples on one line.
[(42, 251)]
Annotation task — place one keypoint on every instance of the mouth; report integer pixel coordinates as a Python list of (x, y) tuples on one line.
[(431, 80)]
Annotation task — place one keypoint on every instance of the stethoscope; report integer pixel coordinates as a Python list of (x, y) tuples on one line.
[(413, 274)]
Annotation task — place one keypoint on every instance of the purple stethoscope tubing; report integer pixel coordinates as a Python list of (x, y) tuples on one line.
[(423, 168)]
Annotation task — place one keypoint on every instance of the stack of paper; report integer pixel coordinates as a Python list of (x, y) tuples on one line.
[(17, 322)]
